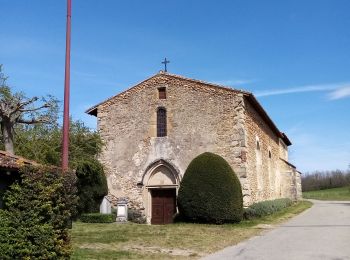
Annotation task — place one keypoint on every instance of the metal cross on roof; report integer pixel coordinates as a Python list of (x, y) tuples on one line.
[(165, 62)]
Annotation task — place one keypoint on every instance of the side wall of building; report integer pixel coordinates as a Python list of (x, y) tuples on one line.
[(269, 174), (263, 155)]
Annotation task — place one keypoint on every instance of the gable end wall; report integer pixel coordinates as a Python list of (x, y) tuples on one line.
[(200, 119)]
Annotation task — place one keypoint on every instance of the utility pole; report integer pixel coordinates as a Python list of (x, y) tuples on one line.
[(65, 132)]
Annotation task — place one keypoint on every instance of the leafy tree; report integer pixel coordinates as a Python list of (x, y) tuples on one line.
[(210, 191), (42, 143), (17, 108), (92, 186)]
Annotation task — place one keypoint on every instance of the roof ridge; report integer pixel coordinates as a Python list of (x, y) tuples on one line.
[(249, 95), (205, 82), (89, 110)]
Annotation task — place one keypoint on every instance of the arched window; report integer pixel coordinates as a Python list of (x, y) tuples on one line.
[(258, 145), (161, 122)]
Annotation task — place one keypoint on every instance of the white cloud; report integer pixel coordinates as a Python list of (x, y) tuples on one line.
[(301, 89), (340, 93)]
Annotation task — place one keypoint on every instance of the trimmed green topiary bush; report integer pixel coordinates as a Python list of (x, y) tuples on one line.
[(210, 192), (97, 218), (264, 208)]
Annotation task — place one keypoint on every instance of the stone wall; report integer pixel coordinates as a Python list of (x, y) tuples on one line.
[(263, 156), (200, 119), (291, 181)]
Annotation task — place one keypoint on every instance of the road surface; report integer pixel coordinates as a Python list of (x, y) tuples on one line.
[(321, 232)]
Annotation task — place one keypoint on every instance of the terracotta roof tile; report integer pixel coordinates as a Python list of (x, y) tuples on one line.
[(13, 162)]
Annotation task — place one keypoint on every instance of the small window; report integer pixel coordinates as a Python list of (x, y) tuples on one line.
[(257, 145), (161, 122), (162, 93), (270, 154)]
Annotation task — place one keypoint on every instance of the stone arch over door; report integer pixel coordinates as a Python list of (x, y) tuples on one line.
[(160, 186)]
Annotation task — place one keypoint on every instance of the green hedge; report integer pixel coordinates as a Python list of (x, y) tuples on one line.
[(97, 218), (37, 211), (210, 191), (265, 208)]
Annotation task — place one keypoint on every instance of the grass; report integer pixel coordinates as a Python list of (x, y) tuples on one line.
[(342, 193), (175, 241)]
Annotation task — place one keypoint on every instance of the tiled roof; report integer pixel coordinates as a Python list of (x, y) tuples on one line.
[(13, 162)]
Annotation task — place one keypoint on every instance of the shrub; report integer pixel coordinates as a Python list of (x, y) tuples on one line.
[(34, 222), (136, 216), (265, 208), (97, 218), (210, 192), (92, 186)]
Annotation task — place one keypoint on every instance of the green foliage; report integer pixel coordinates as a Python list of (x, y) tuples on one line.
[(210, 192), (268, 207), (37, 211), (97, 218), (42, 143), (92, 186), (342, 193)]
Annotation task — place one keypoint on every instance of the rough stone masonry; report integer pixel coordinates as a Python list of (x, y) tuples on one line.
[(200, 117)]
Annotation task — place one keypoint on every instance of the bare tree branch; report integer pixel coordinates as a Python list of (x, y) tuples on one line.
[(26, 103), (33, 121), (34, 109), (17, 108)]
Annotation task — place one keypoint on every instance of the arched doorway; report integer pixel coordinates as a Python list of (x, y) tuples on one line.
[(161, 182)]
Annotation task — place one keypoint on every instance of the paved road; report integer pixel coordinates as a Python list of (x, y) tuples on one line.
[(321, 232)]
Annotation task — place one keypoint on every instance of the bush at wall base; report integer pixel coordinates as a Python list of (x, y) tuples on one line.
[(97, 218), (268, 207)]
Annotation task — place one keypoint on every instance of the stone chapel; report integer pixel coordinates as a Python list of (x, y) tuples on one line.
[(153, 130)]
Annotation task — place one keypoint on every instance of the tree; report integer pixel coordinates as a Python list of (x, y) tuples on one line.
[(16, 108), (92, 186), (42, 143)]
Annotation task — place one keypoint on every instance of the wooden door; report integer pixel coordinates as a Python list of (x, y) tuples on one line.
[(163, 206)]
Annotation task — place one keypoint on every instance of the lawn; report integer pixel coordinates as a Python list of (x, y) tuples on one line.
[(175, 241), (330, 194)]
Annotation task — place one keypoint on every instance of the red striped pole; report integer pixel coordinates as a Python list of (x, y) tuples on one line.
[(65, 141)]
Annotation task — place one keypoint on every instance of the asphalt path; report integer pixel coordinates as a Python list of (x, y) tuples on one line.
[(321, 232)]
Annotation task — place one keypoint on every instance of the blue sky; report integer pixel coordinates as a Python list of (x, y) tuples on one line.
[(294, 55)]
